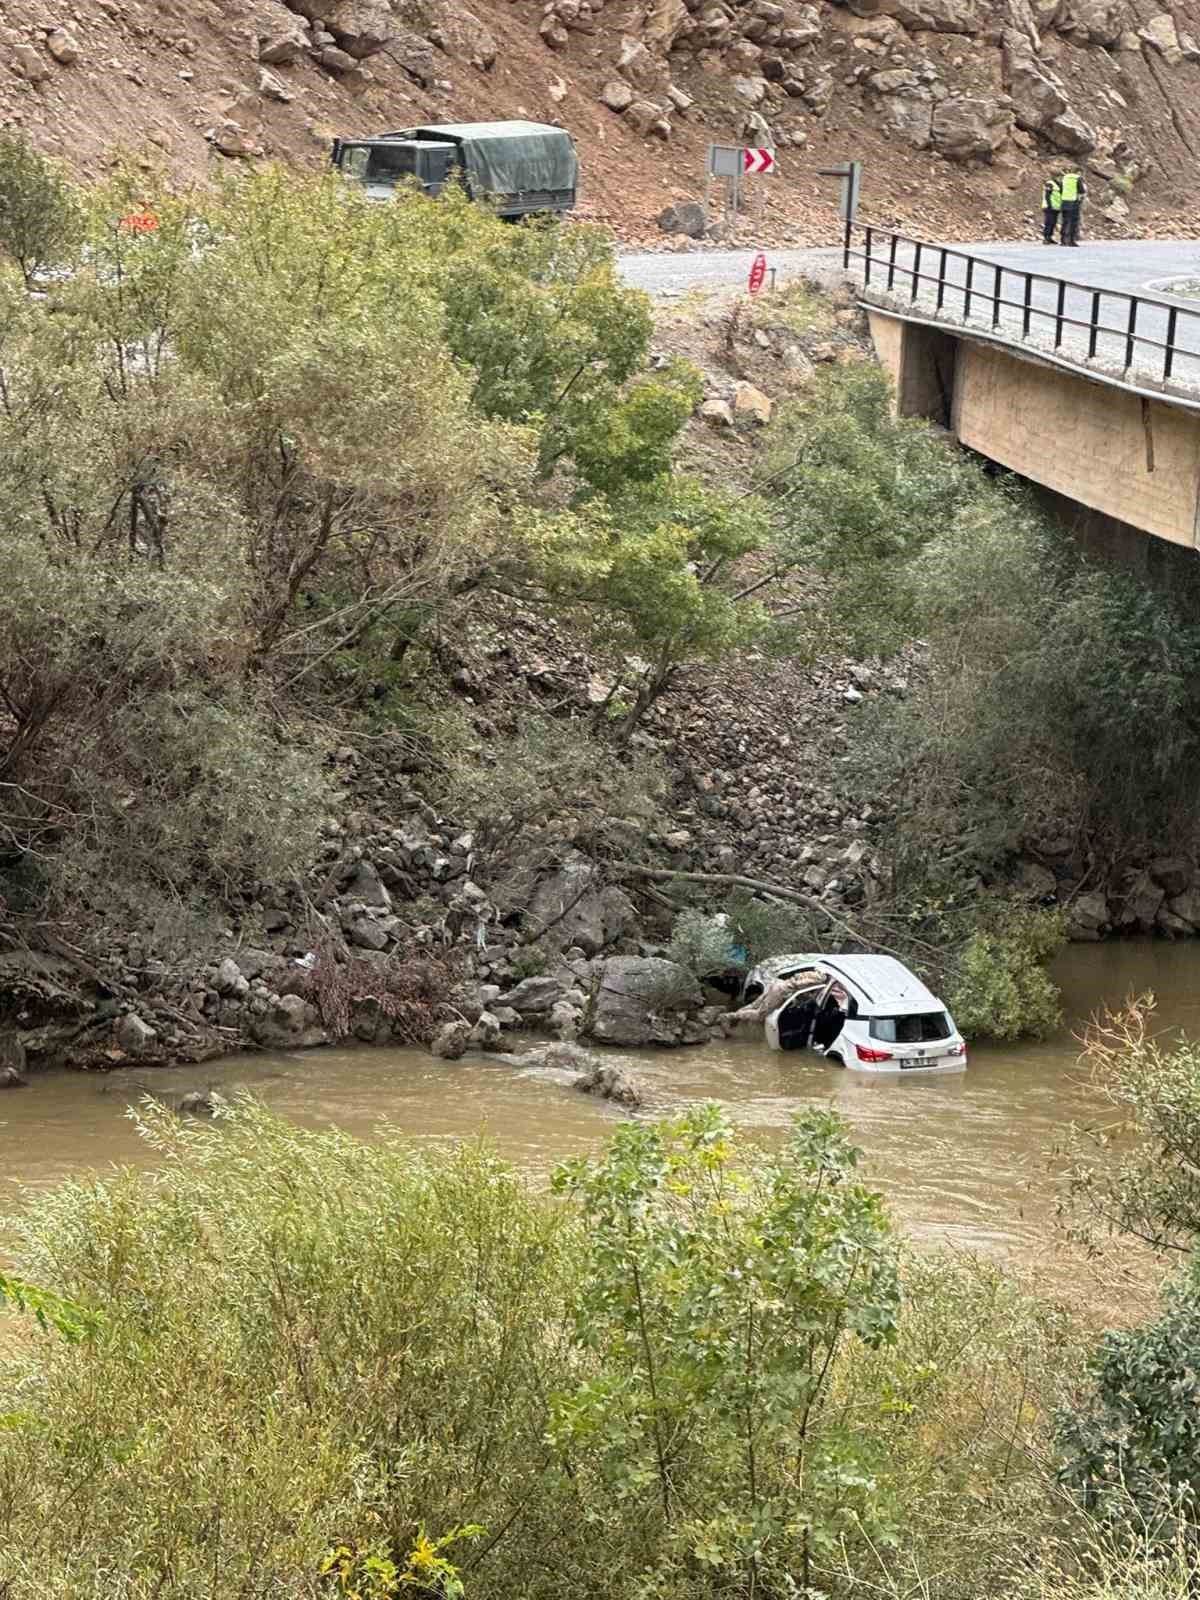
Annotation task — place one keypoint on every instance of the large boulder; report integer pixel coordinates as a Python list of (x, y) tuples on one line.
[(1138, 902), (638, 67), (362, 28), (617, 95), (645, 1000), (1037, 94), (451, 1040), (1040, 98), (1099, 22), (665, 21), (965, 127), (685, 216), (1072, 134), (133, 1035), (1088, 916), (460, 33), (534, 996), (576, 908), (908, 112), (1161, 34), (926, 16), (1186, 906), (12, 1052), (1174, 873)]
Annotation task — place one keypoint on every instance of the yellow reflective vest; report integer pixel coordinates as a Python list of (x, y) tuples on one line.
[(1052, 197), (1070, 186)]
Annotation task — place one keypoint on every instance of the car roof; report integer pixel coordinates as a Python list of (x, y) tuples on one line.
[(878, 983)]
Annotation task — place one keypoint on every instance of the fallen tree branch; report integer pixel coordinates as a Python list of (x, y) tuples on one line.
[(778, 891)]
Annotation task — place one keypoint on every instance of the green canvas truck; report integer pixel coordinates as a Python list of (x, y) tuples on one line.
[(519, 167)]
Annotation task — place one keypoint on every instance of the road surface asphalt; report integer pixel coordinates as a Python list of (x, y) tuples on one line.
[(1124, 267)]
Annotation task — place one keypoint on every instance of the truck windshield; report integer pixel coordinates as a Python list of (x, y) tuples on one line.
[(388, 163)]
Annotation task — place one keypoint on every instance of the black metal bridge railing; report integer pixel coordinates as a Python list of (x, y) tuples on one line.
[(1142, 328)]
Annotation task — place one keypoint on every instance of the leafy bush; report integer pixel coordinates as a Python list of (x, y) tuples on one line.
[(767, 928), (1138, 1172), (1060, 697), (40, 214), (702, 944), (314, 1366), (1132, 1445), (715, 1302), (1000, 987), (858, 491)]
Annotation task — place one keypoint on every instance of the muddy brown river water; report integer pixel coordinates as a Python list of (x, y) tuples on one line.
[(962, 1159)]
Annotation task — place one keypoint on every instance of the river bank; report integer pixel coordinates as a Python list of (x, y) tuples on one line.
[(962, 1160)]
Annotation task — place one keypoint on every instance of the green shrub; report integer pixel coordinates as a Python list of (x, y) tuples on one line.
[(1132, 1443), (41, 219), (1000, 987), (765, 928), (702, 945), (1136, 1169), (314, 1356)]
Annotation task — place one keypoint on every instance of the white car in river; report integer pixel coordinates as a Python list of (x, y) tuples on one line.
[(866, 1012)]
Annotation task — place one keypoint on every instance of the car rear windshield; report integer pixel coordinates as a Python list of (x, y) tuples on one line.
[(918, 1029)]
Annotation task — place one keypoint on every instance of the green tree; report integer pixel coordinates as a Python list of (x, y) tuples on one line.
[(715, 1301), (40, 214), (540, 319), (651, 573), (858, 492)]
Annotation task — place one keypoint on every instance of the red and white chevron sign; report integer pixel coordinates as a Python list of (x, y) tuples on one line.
[(758, 160)]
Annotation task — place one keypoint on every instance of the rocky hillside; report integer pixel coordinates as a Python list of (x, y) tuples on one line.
[(955, 106)]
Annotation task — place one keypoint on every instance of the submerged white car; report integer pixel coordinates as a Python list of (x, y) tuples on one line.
[(866, 1012)]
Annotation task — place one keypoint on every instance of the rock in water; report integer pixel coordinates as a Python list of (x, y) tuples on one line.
[(10, 1078), (612, 1084), (644, 1000), (451, 1040)]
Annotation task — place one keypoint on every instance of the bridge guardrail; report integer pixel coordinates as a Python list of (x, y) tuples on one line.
[(879, 254)]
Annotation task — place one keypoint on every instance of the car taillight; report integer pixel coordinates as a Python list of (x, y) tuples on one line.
[(957, 1050), (866, 1054)]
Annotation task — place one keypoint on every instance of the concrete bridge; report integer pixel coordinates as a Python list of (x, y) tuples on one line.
[(1078, 369)]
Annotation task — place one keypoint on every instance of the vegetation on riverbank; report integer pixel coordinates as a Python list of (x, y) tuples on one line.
[(268, 457), (297, 1363), (318, 1365)]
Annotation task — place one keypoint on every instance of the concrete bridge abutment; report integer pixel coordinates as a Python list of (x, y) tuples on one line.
[(1123, 462)]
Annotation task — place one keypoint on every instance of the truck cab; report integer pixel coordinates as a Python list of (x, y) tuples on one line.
[(379, 164), (518, 167)]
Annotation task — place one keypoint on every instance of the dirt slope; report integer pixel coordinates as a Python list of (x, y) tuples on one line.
[(954, 106)]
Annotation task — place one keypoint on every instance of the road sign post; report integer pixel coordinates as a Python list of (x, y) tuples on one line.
[(733, 162), (850, 173)]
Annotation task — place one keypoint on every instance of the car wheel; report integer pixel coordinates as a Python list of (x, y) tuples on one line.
[(832, 1055)]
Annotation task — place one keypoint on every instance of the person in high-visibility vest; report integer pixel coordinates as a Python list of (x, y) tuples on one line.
[(1051, 208), (1073, 190)]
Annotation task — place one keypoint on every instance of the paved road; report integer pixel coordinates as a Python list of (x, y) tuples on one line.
[(1132, 267), (720, 269)]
